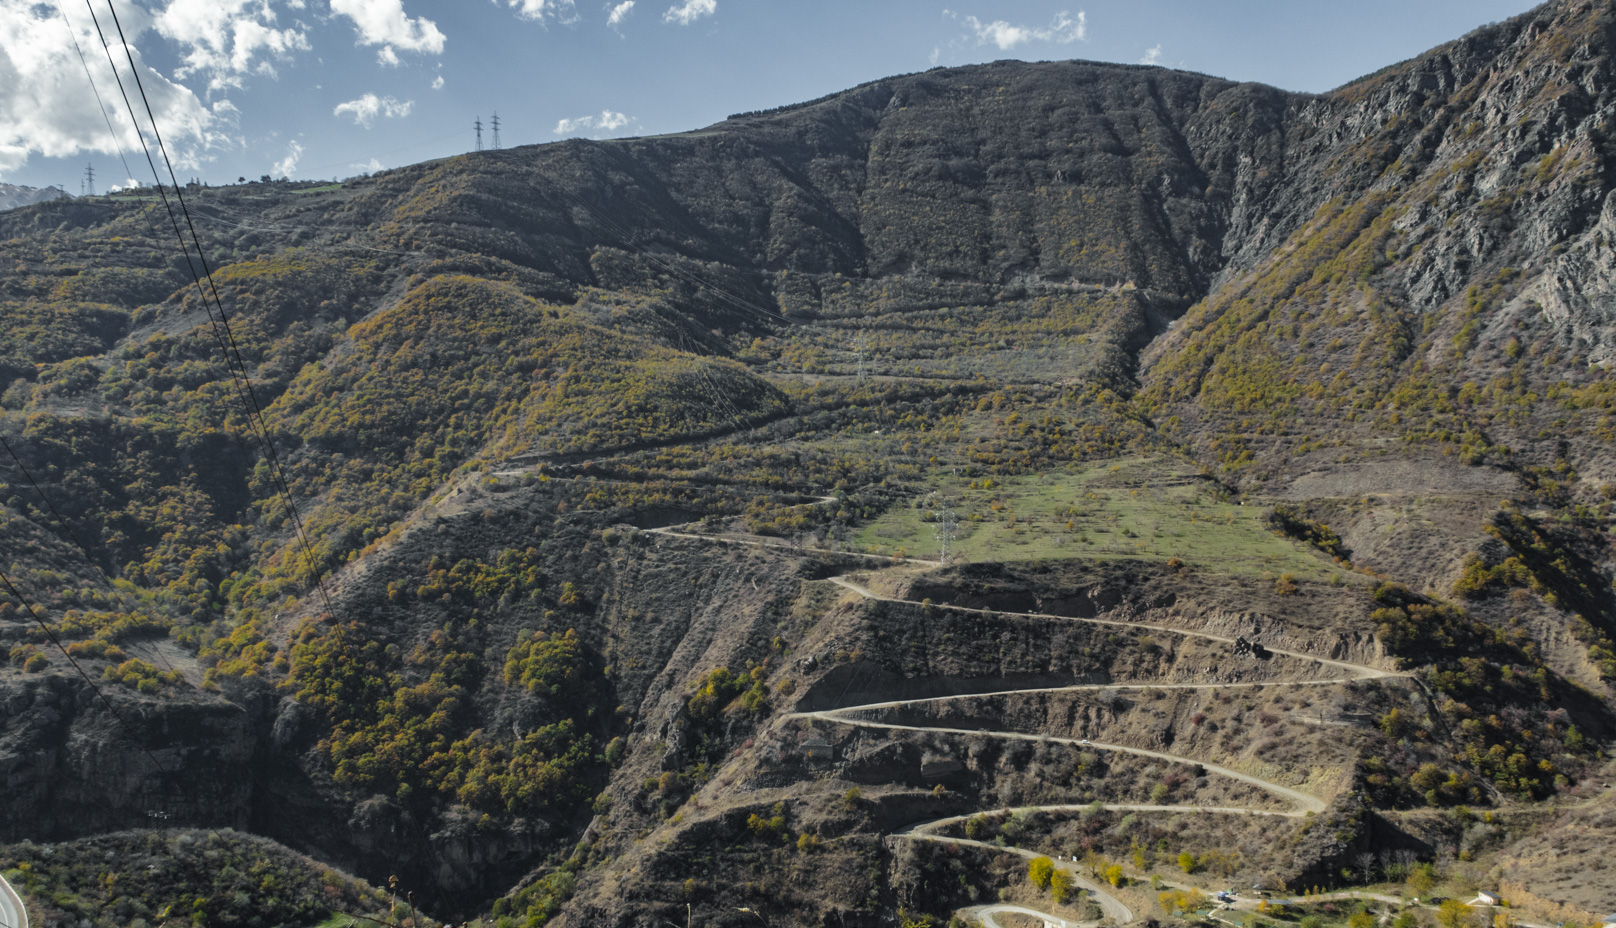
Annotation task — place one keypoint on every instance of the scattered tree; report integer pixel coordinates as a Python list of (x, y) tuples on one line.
[(1040, 870)]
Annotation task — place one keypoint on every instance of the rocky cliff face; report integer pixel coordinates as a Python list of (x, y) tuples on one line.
[(1440, 221), (71, 768)]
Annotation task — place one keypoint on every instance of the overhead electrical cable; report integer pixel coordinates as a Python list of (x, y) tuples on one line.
[(67, 527), (44, 627), (162, 192), (101, 105), (223, 332)]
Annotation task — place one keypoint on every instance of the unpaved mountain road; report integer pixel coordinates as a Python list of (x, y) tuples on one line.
[(1302, 803)]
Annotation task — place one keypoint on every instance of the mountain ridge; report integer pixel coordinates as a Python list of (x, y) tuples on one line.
[(13, 196)]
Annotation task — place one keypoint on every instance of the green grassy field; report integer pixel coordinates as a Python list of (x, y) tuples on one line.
[(1136, 508)]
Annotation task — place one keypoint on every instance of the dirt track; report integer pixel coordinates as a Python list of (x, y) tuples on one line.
[(1302, 803)]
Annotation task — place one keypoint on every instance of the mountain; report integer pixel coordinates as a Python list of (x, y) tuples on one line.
[(12, 196), (782, 516)]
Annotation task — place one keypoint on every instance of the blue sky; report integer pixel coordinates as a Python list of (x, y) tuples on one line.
[(331, 88)]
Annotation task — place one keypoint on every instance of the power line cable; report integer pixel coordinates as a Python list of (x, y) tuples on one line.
[(101, 105), (67, 527), (29, 608), (241, 384), (228, 344), (161, 192)]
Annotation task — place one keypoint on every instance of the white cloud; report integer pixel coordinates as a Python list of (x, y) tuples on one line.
[(437, 82), (46, 107), (936, 53), (691, 10), (1152, 55), (562, 11), (1064, 29), (384, 23), (619, 12), (365, 109), (226, 39), (369, 167), (288, 164), (607, 122)]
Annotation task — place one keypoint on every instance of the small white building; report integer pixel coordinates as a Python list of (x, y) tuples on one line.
[(1610, 921), (1485, 898)]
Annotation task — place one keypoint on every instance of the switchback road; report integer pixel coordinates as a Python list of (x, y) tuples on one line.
[(1302, 803)]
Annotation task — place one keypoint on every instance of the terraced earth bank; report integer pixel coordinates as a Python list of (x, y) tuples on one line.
[(812, 517)]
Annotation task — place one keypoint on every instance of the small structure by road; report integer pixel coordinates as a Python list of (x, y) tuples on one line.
[(13, 914)]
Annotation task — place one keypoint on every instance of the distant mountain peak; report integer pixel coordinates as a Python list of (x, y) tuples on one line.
[(13, 196)]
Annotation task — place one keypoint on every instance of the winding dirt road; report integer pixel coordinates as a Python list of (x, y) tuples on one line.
[(984, 914), (1360, 671), (1113, 907), (1302, 803)]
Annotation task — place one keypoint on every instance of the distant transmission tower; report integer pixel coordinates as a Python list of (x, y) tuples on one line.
[(88, 188), (479, 126), (496, 130)]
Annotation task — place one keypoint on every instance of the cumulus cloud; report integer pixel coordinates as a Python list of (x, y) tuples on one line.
[(46, 107), (619, 12), (437, 82), (367, 108), (226, 39), (384, 23), (369, 167), (691, 10), (288, 164), (604, 124), (562, 11), (1064, 29), (1152, 55)]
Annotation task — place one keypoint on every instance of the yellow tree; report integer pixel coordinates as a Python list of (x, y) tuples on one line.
[(1040, 870), (1060, 885), (1455, 914)]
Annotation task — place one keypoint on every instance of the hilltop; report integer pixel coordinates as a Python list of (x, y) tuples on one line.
[(1267, 436)]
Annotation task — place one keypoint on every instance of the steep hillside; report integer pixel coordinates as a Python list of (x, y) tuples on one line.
[(750, 519)]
